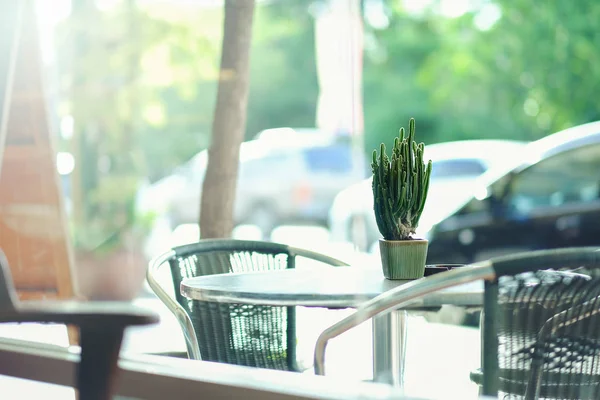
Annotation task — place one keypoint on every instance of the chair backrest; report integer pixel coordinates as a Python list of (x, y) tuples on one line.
[(257, 336), (541, 330)]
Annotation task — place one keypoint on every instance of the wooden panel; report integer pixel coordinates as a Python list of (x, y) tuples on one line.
[(33, 228)]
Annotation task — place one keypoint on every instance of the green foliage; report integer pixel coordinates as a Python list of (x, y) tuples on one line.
[(531, 73), (283, 73), (394, 57), (400, 186)]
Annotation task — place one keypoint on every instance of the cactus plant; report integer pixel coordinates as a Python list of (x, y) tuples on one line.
[(400, 186)]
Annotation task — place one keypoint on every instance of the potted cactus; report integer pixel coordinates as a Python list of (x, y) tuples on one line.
[(400, 186)]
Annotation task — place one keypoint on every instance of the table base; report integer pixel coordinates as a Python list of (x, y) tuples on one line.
[(389, 347)]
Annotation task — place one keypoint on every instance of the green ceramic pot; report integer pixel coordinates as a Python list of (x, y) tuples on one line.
[(403, 259)]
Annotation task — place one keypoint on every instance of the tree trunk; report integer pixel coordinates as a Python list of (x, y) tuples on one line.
[(229, 123)]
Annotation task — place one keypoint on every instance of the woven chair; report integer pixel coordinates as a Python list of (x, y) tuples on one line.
[(540, 327), (241, 334), (101, 327)]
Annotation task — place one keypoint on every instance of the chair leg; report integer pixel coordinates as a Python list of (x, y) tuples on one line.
[(534, 384), (97, 371)]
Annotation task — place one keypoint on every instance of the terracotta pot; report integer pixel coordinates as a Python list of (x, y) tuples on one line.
[(118, 275), (403, 259)]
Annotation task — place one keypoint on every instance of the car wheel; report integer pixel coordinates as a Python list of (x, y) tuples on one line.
[(264, 218), (174, 220)]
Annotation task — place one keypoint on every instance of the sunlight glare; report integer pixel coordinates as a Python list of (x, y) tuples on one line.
[(487, 16)]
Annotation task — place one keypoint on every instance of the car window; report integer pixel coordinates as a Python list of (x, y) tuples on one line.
[(267, 164), (335, 158), (457, 168), (567, 178)]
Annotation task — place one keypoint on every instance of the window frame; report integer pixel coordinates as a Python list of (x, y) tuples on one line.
[(150, 377)]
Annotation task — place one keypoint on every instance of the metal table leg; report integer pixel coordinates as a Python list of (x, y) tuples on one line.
[(389, 347)]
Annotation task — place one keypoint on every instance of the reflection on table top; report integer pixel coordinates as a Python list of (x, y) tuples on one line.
[(316, 287)]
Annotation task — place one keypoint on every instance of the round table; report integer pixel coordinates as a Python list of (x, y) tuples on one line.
[(333, 287)]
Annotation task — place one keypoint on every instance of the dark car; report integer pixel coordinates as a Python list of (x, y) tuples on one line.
[(549, 199)]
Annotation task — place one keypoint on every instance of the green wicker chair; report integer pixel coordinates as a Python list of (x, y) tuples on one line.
[(541, 338), (541, 322), (241, 334)]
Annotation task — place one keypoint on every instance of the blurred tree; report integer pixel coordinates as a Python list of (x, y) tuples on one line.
[(394, 56), (283, 77), (100, 83), (218, 190), (142, 84), (181, 71), (549, 57), (179, 77), (529, 70), (141, 87)]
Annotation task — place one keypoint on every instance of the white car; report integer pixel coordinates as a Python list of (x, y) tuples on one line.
[(455, 167), (284, 177)]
